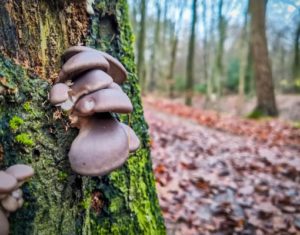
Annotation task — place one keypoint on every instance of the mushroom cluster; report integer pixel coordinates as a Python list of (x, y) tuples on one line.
[(10, 193), (88, 87)]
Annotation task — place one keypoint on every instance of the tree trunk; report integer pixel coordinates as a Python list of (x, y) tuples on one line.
[(296, 64), (141, 46), (190, 59), (243, 47), (266, 104), (33, 35), (220, 50), (155, 46)]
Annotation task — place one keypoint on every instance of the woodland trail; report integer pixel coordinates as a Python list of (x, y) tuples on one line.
[(214, 182)]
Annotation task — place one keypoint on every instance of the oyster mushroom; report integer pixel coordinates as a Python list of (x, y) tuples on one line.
[(59, 93), (82, 62), (4, 225), (21, 172), (105, 100), (7, 184), (89, 82), (133, 140), (10, 204), (100, 147), (116, 69)]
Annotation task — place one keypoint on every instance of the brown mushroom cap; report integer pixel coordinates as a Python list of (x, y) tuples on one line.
[(59, 93), (4, 225), (133, 140), (116, 69), (82, 62), (105, 100), (20, 171), (7, 182), (100, 147), (10, 204), (89, 82)]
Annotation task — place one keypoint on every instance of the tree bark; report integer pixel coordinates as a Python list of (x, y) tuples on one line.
[(33, 35), (190, 59), (266, 104)]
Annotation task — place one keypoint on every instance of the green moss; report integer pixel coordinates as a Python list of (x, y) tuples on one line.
[(15, 123), (25, 139), (256, 114), (27, 107)]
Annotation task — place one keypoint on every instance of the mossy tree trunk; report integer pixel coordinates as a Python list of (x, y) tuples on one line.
[(33, 35)]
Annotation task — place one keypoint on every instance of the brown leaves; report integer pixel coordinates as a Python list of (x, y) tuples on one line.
[(273, 132), (212, 182)]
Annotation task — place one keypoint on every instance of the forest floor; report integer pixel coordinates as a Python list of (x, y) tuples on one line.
[(222, 175)]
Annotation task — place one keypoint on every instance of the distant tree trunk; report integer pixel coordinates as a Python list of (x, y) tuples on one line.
[(155, 46), (174, 45), (205, 44), (190, 58), (296, 64), (220, 49), (266, 103), (141, 46), (33, 35), (211, 58), (170, 77), (244, 45)]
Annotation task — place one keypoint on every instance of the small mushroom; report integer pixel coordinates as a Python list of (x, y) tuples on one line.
[(4, 225), (7, 184), (100, 147), (133, 140), (17, 194), (59, 93), (10, 204), (82, 62), (116, 69), (20, 172), (105, 100)]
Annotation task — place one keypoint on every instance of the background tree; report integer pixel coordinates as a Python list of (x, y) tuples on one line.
[(190, 58), (57, 201), (263, 74), (141, 68)]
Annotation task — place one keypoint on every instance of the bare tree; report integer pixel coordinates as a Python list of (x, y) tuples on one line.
[(190, 58), (266, 104)]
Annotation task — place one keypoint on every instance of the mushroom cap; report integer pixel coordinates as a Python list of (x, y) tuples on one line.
[(20, 171), (116, 69), (4, 225), (59, 93), (82, 62), (7, 182), (10, 204), (133, 140), (90, 81), (105, 100), (17, 194), (100, 147)]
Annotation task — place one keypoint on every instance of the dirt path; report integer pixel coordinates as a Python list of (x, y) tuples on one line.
[(211, 182)]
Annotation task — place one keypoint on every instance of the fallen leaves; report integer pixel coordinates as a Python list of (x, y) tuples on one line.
[(212, 182), (273, 132)]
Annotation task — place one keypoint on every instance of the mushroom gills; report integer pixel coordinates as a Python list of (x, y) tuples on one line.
[(101, 146), (105, 100), (116, 69)]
